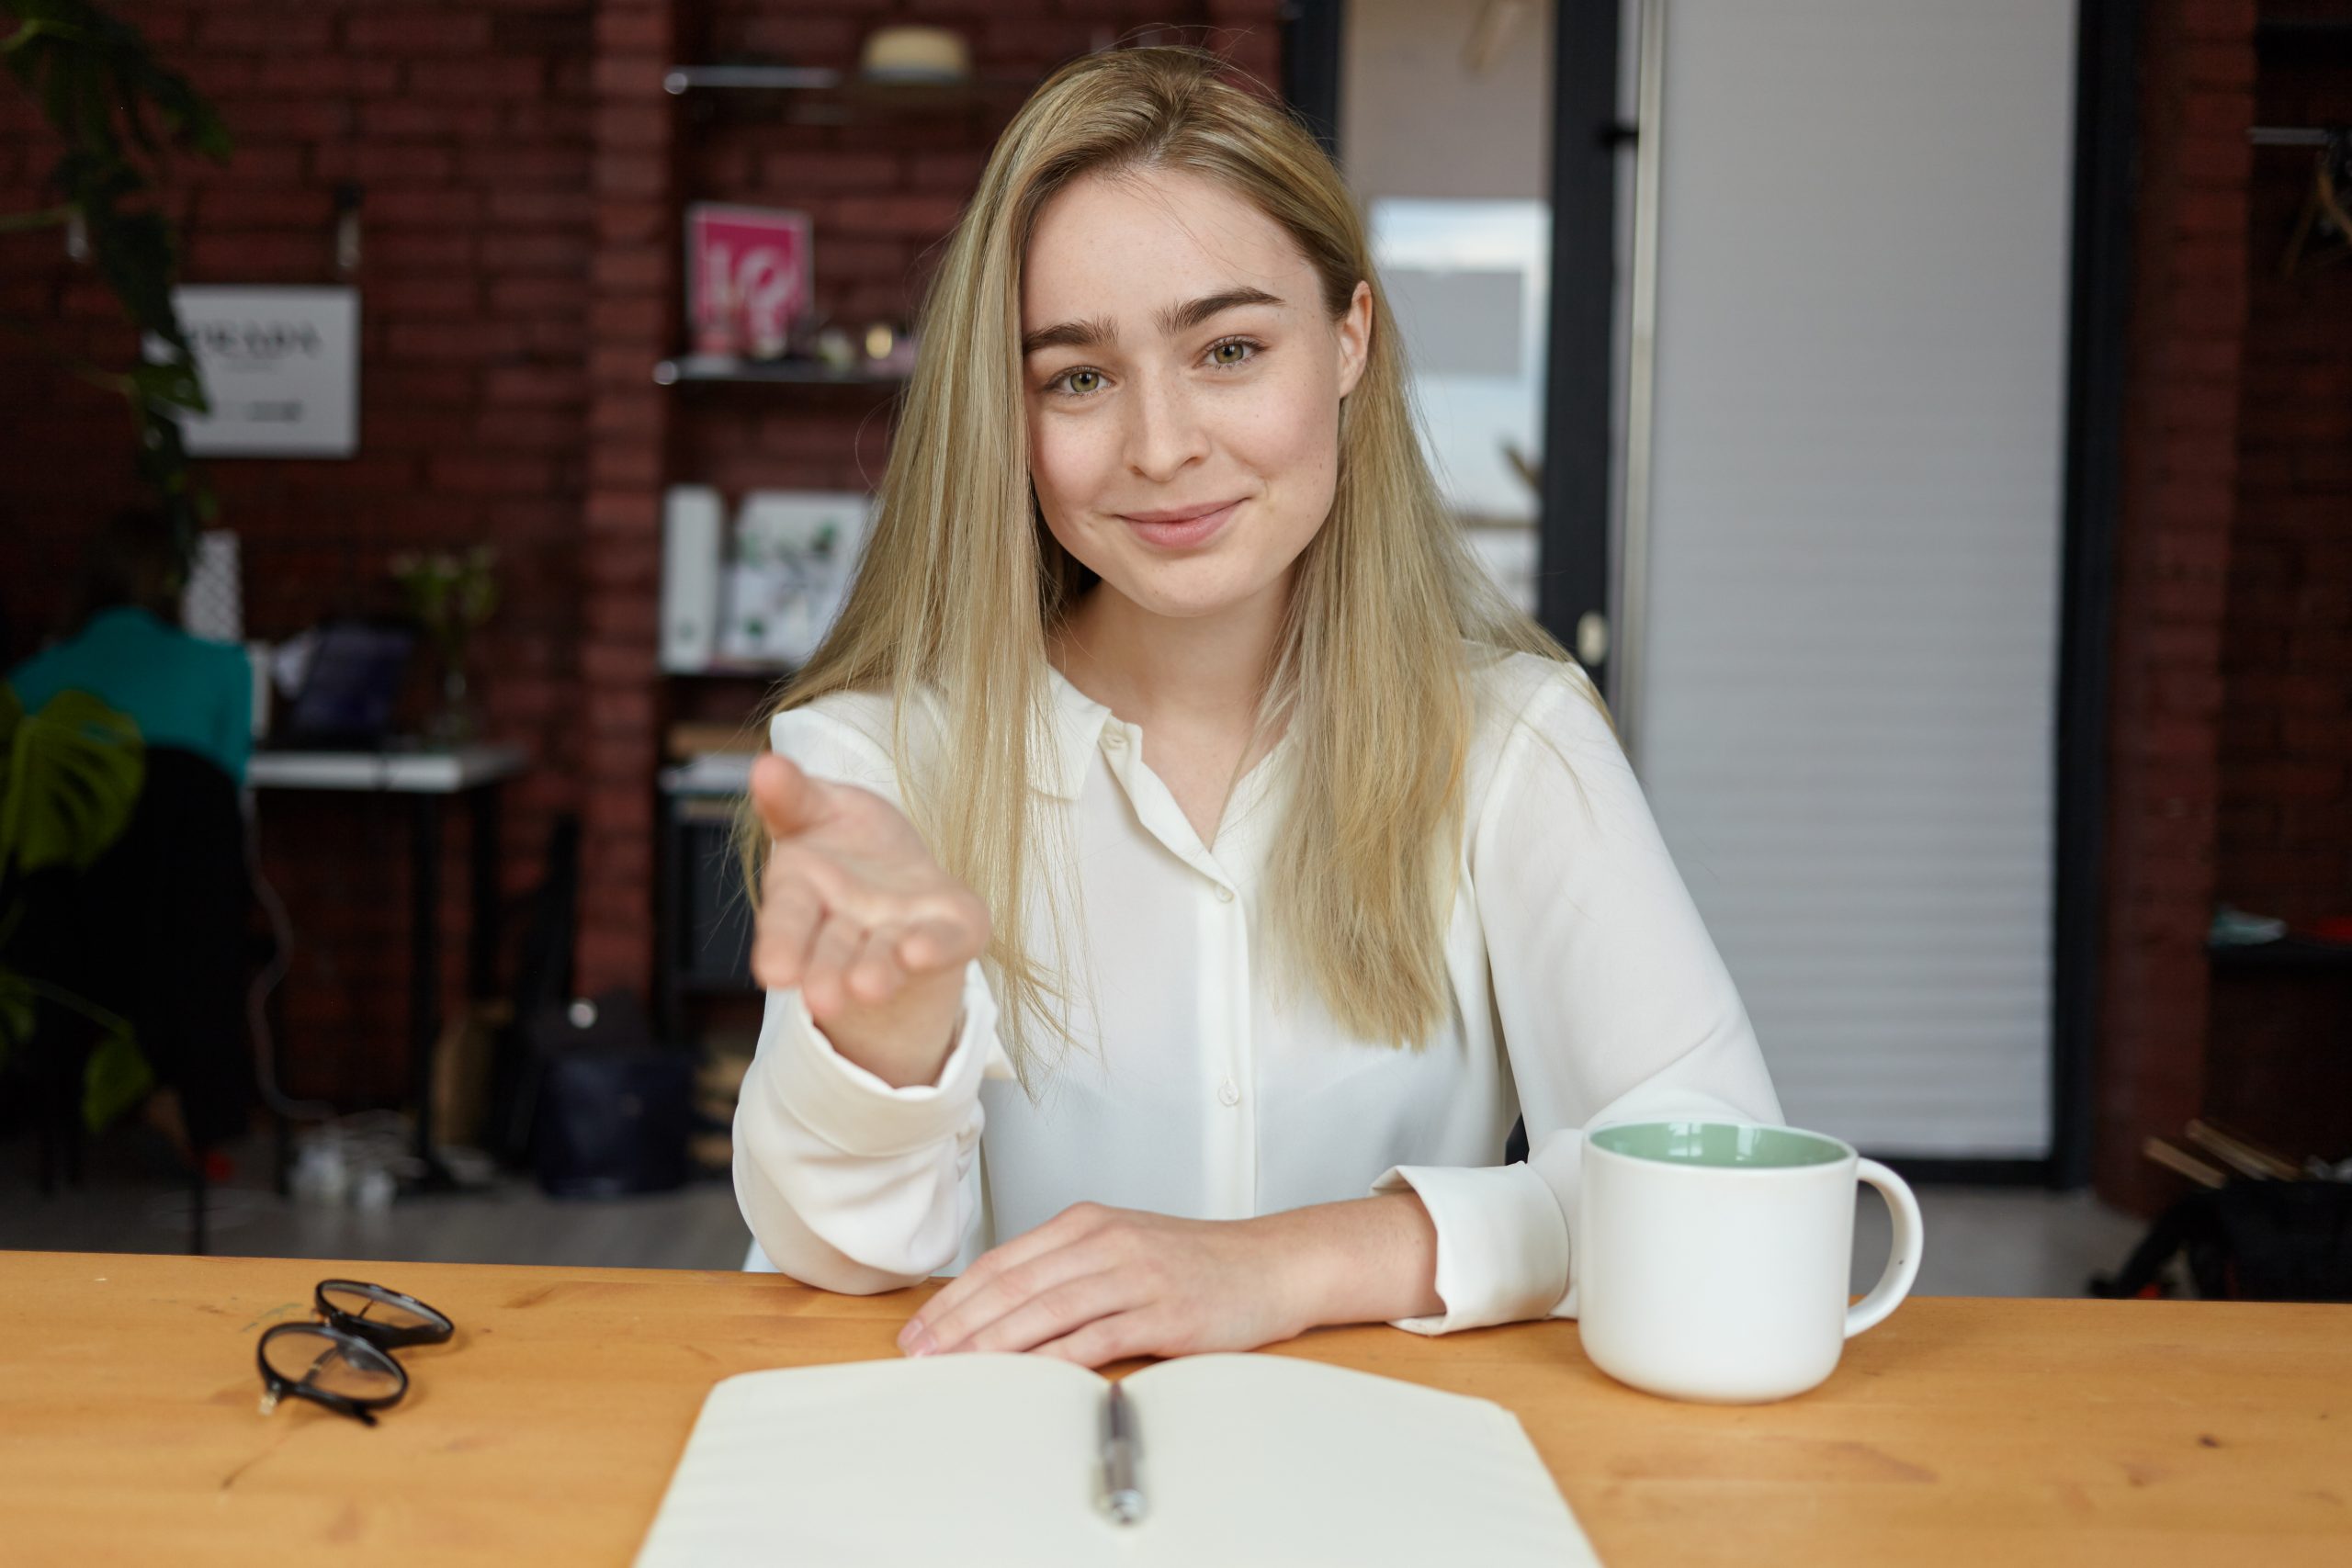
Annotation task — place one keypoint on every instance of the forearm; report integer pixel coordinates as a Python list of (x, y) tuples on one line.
[(1365, 1260)]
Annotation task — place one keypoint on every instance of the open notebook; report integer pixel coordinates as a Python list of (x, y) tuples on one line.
[(986, 1459)]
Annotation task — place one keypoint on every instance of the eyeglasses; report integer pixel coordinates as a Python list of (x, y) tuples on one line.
[(345, 1360)]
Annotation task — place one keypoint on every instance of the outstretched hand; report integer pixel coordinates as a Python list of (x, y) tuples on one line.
[(856, 914)]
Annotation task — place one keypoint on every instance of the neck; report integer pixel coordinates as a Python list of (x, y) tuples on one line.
[(1194, 670)]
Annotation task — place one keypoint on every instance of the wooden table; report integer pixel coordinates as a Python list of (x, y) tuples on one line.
[(1990, 1433)]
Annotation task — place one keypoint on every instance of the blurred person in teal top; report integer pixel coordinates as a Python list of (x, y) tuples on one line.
[(128, 652)]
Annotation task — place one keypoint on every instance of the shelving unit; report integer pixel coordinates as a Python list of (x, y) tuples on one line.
[(731, 120)]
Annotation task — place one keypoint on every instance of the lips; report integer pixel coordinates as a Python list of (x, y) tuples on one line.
[(1182, 528)]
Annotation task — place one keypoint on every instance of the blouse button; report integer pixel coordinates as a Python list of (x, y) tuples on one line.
[(1224, 896), (1227, 1094)]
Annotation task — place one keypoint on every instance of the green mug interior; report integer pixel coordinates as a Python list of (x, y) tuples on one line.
[(1719, 1145)]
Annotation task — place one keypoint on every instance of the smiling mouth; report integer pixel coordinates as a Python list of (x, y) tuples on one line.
[(1182, 532)]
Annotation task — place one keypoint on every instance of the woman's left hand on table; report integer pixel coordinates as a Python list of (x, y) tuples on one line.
[(1096, 1284)]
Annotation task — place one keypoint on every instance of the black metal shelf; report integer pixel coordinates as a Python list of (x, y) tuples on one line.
[(719, 367), (911, 95)]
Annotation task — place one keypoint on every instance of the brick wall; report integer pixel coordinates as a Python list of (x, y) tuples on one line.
[(523, 174), (2180, 465), (469, 128), (2286, 817), (881, 194)]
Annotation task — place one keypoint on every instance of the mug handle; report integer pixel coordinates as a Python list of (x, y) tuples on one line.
[(1903, 1262)]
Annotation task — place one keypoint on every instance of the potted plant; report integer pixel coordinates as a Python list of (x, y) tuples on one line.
[(119, 114)]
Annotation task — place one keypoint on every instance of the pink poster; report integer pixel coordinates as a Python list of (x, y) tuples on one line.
[(748, 278)]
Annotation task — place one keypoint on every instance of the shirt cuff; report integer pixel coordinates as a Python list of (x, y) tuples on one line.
[(857, 1113), (1503, 1243)]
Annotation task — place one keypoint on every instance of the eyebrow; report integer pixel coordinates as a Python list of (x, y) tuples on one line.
[(1173, 320)]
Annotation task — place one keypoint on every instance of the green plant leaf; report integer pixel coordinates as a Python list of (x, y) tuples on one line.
[(75, 770), (18, 1002), (117, 1079), (106, 95)]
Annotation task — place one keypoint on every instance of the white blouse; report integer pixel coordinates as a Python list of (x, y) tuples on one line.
[(1585, 990)]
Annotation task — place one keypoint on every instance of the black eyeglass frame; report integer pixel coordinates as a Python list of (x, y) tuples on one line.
[(363, 1342), (436, 1328), (277, 1385)]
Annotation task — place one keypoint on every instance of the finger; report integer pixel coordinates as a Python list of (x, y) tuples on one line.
[(876, 975), (830, 956), (1061, 1311), (1073, 1225), (788, 801), (932, 943), (1115, 1337), (789, 911), (962, 1323)]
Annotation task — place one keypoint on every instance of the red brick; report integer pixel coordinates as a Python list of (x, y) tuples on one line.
[(476, 79), (540, 207), (620, 268), (431, 206), (276, 29), (647, 32), (371, 163), (620, 464), (629, 125), (237, 207), (391, 118), (271, 118), (802, 38), (510, 167), (632, 75), (635, 512), (538, 295), (623, 221), (500, 475), (535, 250), (529, 432), (441, 341), (412, 31), (410, 251), (538, 385), (326, 76)]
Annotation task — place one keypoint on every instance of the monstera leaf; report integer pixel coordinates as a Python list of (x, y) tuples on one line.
[(74, 769)]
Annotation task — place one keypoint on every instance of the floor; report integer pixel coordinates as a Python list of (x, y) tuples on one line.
[(1981, 1241)]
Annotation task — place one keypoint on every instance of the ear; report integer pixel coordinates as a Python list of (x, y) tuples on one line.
[(1355, 338)]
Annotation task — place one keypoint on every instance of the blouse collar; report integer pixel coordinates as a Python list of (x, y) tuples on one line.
[(1078, 721)]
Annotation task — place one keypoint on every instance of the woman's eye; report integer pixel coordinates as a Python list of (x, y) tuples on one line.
[(1093, 379), (1241, 351)]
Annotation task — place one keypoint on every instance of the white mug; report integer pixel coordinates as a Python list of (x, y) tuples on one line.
[(1711, 1259)]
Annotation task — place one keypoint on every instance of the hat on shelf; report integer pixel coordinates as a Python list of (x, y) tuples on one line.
[(914, 54)]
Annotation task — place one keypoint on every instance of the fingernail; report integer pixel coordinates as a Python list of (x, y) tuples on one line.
[(915, 1341)]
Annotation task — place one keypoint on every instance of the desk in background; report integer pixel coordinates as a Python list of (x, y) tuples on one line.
[(1994, 1434), (429, 779)]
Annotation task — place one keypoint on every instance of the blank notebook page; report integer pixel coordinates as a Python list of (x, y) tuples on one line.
[(984, 1459)]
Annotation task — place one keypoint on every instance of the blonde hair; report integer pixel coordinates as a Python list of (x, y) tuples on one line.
[(962, 584)]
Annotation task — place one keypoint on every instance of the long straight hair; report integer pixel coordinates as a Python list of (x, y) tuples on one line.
[(962, 584)]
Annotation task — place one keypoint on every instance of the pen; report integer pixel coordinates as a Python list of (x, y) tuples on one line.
[(1122, 1498)]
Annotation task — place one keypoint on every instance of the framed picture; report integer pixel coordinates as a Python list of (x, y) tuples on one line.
[(794, 553), (281, 368), (750, 275)]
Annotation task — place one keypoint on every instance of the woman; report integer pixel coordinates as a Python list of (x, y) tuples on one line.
[(1176, 801), (127, 650)]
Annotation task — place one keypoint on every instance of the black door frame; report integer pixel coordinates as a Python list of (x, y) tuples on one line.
[(1574, 576)]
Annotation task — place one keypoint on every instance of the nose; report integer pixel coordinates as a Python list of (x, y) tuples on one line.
[(1165, 434)]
